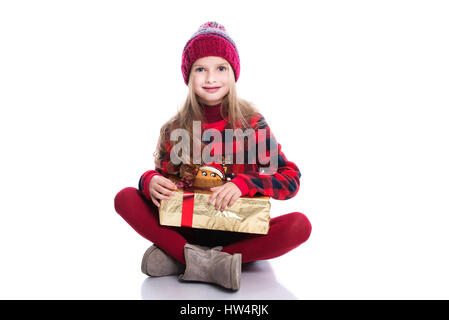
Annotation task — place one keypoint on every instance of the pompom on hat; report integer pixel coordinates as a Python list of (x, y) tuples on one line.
[(211, 39)]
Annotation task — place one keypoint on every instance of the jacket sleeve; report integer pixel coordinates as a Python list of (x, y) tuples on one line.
[(280, 181), (163, 166)]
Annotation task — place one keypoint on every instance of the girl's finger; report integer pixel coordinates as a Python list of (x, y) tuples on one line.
[(216, 196), (167, 183), (220, 198), (226, 201), (156, 203), (212, 198), (232, 201), (213, 195), (160, 196), (163, 190)]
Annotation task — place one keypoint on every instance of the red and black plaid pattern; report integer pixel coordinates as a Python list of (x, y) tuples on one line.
[(279, 181)]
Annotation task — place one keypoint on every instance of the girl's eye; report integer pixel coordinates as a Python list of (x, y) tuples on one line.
[(213, 175), (224, 68), (204, 173)]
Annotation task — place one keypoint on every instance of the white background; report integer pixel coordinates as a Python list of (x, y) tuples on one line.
[(356, 92)]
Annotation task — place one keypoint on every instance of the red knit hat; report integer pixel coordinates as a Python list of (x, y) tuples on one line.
[(211, 39)]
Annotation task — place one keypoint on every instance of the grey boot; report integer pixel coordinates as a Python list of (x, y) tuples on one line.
[(157, 263), (213, 266)]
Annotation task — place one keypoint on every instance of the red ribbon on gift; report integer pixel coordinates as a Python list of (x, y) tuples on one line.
[(187, 208)]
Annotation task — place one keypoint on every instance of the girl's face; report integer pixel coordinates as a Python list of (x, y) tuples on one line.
[(211, 72)]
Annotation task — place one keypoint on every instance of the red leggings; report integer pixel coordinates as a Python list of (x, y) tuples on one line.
[(286, 232)]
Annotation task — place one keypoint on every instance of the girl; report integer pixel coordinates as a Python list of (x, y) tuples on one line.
[(211, 67)]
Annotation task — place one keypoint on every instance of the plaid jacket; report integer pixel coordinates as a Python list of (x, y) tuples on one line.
[(281, 185)]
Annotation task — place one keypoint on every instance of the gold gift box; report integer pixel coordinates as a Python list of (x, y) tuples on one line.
[(247, 214)]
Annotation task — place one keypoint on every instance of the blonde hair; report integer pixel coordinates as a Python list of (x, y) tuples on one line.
[(238, 111)]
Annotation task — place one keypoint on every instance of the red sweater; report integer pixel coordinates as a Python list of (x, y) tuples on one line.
[(281, 185)]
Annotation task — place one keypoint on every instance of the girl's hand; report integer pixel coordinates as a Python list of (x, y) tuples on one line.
[(160, 188), (225, 195)]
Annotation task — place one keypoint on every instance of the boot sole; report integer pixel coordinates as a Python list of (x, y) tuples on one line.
[(146, 255), (236, 266)]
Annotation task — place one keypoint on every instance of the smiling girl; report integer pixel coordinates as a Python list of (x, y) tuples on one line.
[(211, 68)]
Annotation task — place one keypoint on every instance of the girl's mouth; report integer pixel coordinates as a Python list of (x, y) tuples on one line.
[(211, 89)]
